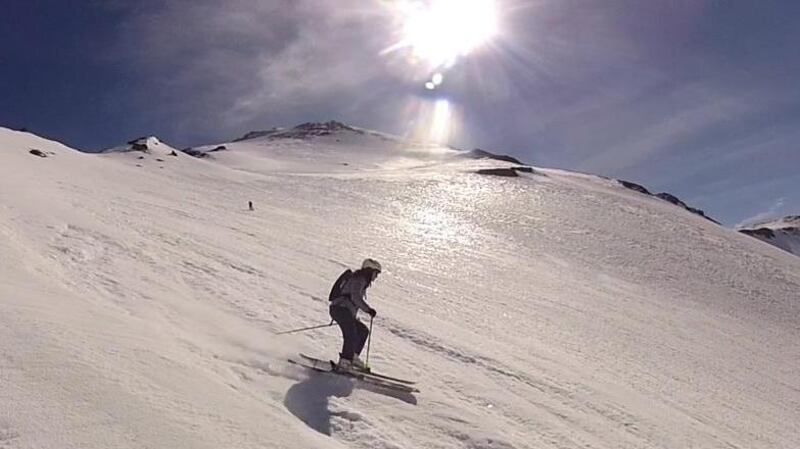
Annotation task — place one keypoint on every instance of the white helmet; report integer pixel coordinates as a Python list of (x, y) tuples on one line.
[(371, 264)]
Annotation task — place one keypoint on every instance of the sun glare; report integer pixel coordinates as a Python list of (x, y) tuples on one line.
[(441, 122), (440, 31), (432, 37)]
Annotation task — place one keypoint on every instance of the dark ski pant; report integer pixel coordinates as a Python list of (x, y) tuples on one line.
[(355, 333)]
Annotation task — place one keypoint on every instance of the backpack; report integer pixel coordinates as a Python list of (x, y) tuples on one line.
[(338, 286)]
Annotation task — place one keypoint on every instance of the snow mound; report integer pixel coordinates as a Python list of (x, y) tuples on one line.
[(33, 144), (144, 151), (142, 144)]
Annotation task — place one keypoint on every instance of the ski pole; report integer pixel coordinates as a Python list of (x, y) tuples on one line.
[(304, 329), (369, 339)]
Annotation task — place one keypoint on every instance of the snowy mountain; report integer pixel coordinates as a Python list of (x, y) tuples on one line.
[(310, 130), (326, 147), (783, 233), (147, 145), (333, 134), (141, 302), (145, 150)]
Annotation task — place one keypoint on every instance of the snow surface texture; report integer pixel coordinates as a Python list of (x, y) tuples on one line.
[(548, 310), (783, 233)]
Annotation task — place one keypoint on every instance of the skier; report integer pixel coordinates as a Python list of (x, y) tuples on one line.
[(349, 295)]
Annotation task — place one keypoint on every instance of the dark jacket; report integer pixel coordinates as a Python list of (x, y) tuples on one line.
[(354, 294)]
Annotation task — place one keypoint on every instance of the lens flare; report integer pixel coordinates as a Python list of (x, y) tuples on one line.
[(432, 121), (431, 37), (440, 31), (441, 122)]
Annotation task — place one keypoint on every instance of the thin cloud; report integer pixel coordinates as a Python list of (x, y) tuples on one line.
[(763, 216), (248, 62), (666, 122)]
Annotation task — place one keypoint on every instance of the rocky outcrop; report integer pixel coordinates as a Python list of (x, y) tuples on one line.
[(322, 129), (303, 131), (634, 186), (510, 172), (203, 153), (482, 154), (763, 233), (258, 134), (36, 152), (668, 197), (143, 144), (194, 152)]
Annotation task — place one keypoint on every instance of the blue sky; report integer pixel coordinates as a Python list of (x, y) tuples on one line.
[(698, 98)]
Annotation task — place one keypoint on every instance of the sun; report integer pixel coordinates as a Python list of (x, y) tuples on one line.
[(440, 31)]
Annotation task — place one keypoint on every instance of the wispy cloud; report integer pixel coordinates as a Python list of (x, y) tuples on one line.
[(245, 62), (664, 122), (771, 213)]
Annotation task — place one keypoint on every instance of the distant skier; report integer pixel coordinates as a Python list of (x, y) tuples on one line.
[(348, 295), (250, 205)]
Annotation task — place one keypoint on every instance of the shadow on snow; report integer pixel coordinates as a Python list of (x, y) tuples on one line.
[(308, 399)]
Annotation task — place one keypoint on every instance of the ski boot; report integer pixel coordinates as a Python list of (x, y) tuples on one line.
[(359, 365)]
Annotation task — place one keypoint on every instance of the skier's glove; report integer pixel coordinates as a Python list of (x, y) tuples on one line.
[(372, 313)]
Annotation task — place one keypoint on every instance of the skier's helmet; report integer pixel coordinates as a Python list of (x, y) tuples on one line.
[(371, 264)]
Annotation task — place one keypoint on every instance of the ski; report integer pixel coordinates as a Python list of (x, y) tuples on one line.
[(366, 373), (327, 368)]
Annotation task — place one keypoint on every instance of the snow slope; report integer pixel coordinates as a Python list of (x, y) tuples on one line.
[(783, 233), (549, 310)]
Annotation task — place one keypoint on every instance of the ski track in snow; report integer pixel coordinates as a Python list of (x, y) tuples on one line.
[(551, 310)]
